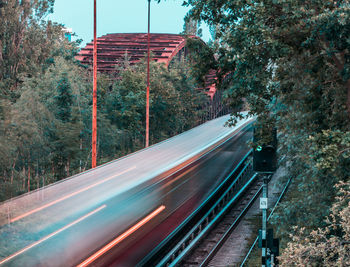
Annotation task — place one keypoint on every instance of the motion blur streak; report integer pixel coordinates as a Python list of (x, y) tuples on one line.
[(121, 237), (51, 235), (68, 196)]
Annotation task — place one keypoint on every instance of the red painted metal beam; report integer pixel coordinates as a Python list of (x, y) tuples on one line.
[(94, 98), (147, 90), (113, 47)]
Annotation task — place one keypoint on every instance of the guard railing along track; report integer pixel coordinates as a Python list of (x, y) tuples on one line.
[(186, 237), (227, 225)]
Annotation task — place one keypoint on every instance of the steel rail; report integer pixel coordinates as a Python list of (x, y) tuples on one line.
[(222, 240)]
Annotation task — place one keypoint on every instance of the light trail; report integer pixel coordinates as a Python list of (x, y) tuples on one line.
[(121, 237), (179, 176), (69, 196), (51, 235)]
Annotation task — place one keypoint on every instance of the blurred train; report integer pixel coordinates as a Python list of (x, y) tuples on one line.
[(116, 214)]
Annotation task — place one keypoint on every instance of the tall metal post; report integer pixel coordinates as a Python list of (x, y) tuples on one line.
[(147, 92), (94, 97), (263, 206)]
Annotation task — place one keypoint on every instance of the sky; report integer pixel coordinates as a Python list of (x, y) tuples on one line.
[(120, 16)]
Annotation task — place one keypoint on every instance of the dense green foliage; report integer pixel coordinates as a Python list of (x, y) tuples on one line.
[(27, 41), (46, 103), (328, 246), (290, 61)]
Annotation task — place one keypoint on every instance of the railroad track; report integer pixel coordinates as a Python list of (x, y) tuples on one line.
[(212, 223), (212, 243)]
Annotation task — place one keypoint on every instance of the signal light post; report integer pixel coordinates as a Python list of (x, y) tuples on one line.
[(263, 207), (265, 163)]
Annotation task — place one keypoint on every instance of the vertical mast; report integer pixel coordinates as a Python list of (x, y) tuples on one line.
[(94, 97), (147, 92)]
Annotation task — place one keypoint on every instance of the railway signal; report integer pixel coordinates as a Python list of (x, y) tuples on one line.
[(265, 153), (265, 163)]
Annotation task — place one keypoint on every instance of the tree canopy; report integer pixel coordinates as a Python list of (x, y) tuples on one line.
[(27, 41), (329, 246)]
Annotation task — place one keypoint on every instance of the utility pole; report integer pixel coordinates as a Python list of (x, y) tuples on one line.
[(94, 97), (147, 92)]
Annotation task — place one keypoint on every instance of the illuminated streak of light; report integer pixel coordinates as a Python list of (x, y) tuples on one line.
[(121, 237), (68, 196), (179, 176), (51, 235)]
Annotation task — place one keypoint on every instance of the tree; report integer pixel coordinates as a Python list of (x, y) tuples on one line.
[(261, 50), (26, 41), (63, 99), (329, 246), (289, 60), (43, 129), (174, 101)]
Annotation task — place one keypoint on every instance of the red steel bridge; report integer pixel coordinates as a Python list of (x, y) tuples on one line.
[(114, 49)]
